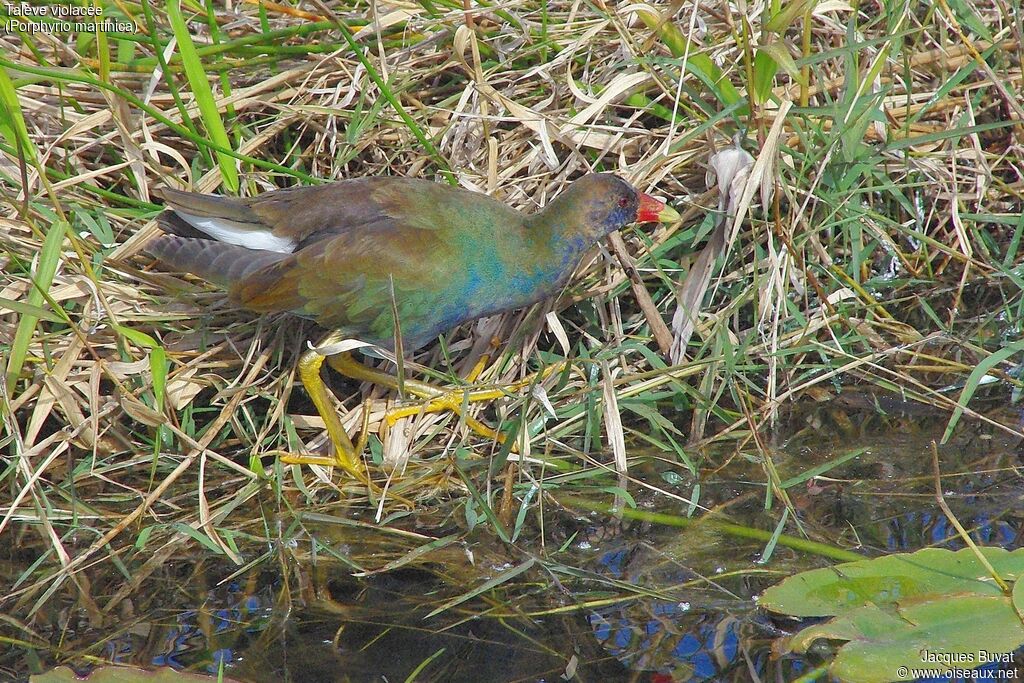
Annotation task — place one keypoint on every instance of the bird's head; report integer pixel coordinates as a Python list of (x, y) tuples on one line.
[(604, 203)]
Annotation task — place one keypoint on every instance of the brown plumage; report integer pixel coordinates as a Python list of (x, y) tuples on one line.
[(345, 253)]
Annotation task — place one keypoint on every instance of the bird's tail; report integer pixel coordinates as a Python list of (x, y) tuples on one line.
[(217, 262)]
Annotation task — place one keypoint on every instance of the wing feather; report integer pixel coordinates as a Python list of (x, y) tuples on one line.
[(349, 248)]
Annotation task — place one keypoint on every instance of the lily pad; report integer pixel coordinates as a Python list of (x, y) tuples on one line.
[(908, 615), (891, 580), (956, 633)]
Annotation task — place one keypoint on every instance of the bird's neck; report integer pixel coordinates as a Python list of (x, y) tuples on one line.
[(560, 230), (556, 247)]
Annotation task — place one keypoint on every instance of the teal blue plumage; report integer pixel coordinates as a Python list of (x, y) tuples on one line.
[(342, 253)]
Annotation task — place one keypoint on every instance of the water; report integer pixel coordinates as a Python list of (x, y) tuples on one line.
[(580, 595)]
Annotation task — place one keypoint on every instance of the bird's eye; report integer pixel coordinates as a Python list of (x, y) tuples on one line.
[(624, 202)]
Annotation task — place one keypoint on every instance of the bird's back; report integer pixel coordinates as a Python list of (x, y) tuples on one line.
[(344, 253)]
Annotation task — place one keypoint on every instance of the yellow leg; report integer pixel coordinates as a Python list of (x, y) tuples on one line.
[(482, 362), (348, 366), (438, 399), (345, 454)]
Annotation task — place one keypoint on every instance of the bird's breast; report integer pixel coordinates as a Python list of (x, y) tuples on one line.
[(484, 277), (507, 281)]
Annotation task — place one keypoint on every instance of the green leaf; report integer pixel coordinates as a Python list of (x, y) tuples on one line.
[(199, 536), (143, 538), (416, 554), (200, 84), (28, 309), (974, 381), (42, 278), (484, 587), (157, 360), (99, 227), (697, 63), (889, 580), (138, 338), (12, 122), (933, 609), (482, 502), (958, 632), (780, 21), (824, 467), (158, 366), (765, 68), (852, 127), (967, 14), (783, 57)]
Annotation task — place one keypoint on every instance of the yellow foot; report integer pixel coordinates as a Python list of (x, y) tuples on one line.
[(346, 455), (457, 400)]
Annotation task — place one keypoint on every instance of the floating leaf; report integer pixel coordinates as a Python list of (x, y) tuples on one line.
[(933, 609), (955, 632)]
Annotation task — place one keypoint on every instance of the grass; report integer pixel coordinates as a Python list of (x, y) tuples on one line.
[(141, 413)]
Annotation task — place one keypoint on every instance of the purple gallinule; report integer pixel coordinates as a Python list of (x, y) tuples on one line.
[(355, 255)]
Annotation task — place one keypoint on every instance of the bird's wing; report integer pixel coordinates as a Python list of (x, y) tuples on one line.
[(287, 220), (346, 281), (338, 251)]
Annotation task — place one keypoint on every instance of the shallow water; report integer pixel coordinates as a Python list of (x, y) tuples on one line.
[(579, 595)]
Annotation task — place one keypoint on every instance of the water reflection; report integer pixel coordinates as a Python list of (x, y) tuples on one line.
[(604, 598)]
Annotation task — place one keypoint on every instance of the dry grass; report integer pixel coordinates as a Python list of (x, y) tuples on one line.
[(888, 256)]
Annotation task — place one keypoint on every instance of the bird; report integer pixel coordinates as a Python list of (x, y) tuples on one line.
[(388, 260)]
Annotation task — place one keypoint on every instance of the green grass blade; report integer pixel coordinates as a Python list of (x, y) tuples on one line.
[(12, 122), (49, 256), (415, 674), (157, 361), (697, 63), (28, 309), (974, 381), (821, 469), (200, 85), (61, 76), (484, 587), (389, 95)]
